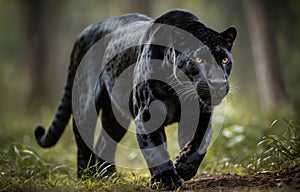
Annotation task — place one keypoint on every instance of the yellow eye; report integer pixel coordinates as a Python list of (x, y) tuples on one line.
[(199, 60), (225, 60)]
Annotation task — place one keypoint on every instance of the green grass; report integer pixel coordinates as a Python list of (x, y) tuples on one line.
[(247, 143), (22, 168)]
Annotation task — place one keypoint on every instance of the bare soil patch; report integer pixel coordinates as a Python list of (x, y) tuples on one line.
[(288, 180)]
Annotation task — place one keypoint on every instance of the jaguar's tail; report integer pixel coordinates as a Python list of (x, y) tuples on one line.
[(60, 121)]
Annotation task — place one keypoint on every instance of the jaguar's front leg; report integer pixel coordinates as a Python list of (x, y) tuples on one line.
[(193, 151), (154, 149)]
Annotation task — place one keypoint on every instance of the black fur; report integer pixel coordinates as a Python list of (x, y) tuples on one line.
[(165, 175)]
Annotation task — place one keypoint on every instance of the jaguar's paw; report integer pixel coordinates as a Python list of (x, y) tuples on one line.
[(168, 180), (187, 164)]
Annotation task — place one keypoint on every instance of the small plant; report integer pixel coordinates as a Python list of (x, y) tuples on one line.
[(26, 162), (99, 180), (23, 166), (276, 152)]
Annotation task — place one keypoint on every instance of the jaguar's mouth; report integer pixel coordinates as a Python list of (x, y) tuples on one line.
[(210, 102), (212, 96)]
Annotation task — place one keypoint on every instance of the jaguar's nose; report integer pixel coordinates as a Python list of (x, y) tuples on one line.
[(218, 92)]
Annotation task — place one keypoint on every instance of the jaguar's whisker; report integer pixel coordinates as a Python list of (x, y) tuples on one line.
[(186, 92), (192, 94)]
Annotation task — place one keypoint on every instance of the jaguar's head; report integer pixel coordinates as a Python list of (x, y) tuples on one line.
[(208, 64), (202, 54)]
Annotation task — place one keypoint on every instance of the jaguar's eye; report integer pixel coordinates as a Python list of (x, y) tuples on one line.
[(199, 60), (225, 60)]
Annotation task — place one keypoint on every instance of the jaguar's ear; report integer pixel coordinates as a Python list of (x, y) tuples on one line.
[(229, 36)]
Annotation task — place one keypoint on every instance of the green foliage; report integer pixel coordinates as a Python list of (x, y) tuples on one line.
[(237, 141), (276, 152), (22, 168)]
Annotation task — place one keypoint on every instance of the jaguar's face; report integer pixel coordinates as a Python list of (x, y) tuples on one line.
[(213, 69), (208, 66)]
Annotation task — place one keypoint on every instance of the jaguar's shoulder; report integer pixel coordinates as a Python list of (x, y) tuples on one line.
[(175, 17)]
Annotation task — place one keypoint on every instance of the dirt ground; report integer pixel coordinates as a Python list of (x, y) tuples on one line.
[(288, 180)]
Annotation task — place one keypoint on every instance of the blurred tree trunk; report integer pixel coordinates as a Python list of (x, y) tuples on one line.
[(265, 57), (35, 48), (40, 20), (139, 6)]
